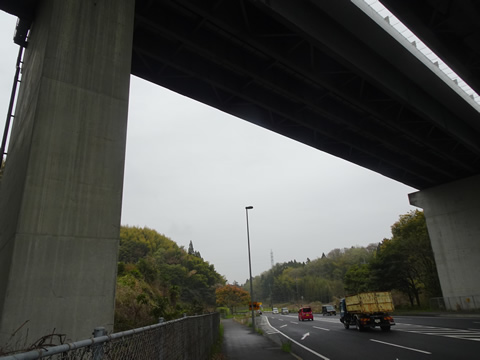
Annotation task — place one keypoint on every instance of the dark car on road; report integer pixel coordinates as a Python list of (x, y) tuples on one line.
[(328, 310)]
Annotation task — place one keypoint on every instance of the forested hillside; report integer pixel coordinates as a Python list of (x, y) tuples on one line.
[(319, 280), (157, 278), (404, 263)]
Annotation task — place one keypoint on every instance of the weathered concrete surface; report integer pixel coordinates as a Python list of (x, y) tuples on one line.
[(61, 194), (452, 212)]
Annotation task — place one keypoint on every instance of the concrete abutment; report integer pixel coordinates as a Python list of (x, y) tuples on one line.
[(452, 212), (61, 194)]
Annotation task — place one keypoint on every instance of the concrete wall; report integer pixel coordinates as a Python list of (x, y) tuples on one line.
[(452, 212), (61, 194)]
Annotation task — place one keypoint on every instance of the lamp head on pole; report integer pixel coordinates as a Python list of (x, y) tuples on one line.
[(249, 207)]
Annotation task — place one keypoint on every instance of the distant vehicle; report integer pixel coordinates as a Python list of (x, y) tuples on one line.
[(367, 310), (275, 311), (328, 310), (305, 313), (284, 311)]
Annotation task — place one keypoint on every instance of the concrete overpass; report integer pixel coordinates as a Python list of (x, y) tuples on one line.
[(320, 72)]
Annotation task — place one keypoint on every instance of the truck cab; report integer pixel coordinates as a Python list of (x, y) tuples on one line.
[(345, 317)]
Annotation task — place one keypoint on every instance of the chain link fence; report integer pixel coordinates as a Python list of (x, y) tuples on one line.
[(188, 338)]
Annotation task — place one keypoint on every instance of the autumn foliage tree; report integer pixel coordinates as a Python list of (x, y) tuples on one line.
[(232, 296)]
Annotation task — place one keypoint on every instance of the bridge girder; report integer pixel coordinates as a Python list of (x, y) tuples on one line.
[(300, 71), (322, 73)]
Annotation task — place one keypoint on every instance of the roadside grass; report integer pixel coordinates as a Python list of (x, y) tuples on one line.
[(216, 353), (243, 318), (287, 347)]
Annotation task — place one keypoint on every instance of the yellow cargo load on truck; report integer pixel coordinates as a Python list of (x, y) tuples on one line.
[(370, 302), (367, 310)]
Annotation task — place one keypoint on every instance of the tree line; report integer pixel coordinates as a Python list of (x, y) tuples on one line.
[(404, 263)]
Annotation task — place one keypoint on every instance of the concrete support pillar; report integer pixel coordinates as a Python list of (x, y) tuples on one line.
[(452, 212), (61, 194)]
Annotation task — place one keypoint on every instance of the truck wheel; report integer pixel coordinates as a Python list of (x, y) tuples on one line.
[(385, 328), (359, 326)]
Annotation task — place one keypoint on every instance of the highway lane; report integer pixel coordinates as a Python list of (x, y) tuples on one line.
[(412, 338), (460, 322)]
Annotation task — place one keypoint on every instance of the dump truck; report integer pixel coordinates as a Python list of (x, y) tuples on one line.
[(367, 310)]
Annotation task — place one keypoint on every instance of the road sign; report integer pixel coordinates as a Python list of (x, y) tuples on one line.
[(256, 305)]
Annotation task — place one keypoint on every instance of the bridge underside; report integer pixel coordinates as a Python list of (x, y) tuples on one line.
[(317, 72), (322, 73)]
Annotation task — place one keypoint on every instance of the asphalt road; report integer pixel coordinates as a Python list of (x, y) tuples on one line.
[(443, 337)]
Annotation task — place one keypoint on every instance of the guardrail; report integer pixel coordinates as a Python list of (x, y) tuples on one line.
[(186, 338)]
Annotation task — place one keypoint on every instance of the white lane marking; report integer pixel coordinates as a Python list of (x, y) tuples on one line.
[(465, 334), (316, 327), (283, 326), (400, 346), (305, 335), (296, 342), (465, 337), (293, 322)]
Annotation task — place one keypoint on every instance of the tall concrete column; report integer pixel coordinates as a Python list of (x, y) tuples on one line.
[(452, 212), (61, 194)]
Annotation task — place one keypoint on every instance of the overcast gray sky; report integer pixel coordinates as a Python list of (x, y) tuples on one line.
[(191, 170)]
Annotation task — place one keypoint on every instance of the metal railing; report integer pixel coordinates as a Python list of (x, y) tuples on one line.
[(187, 338)]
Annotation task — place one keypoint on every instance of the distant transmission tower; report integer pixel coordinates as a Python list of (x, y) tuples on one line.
[(271, 257)]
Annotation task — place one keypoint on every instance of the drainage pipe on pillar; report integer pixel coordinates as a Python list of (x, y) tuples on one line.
[(12, 100)]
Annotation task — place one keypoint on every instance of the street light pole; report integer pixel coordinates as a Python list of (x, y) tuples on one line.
[(250, 268)]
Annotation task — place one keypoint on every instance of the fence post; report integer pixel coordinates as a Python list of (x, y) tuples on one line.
[(97, 349)]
